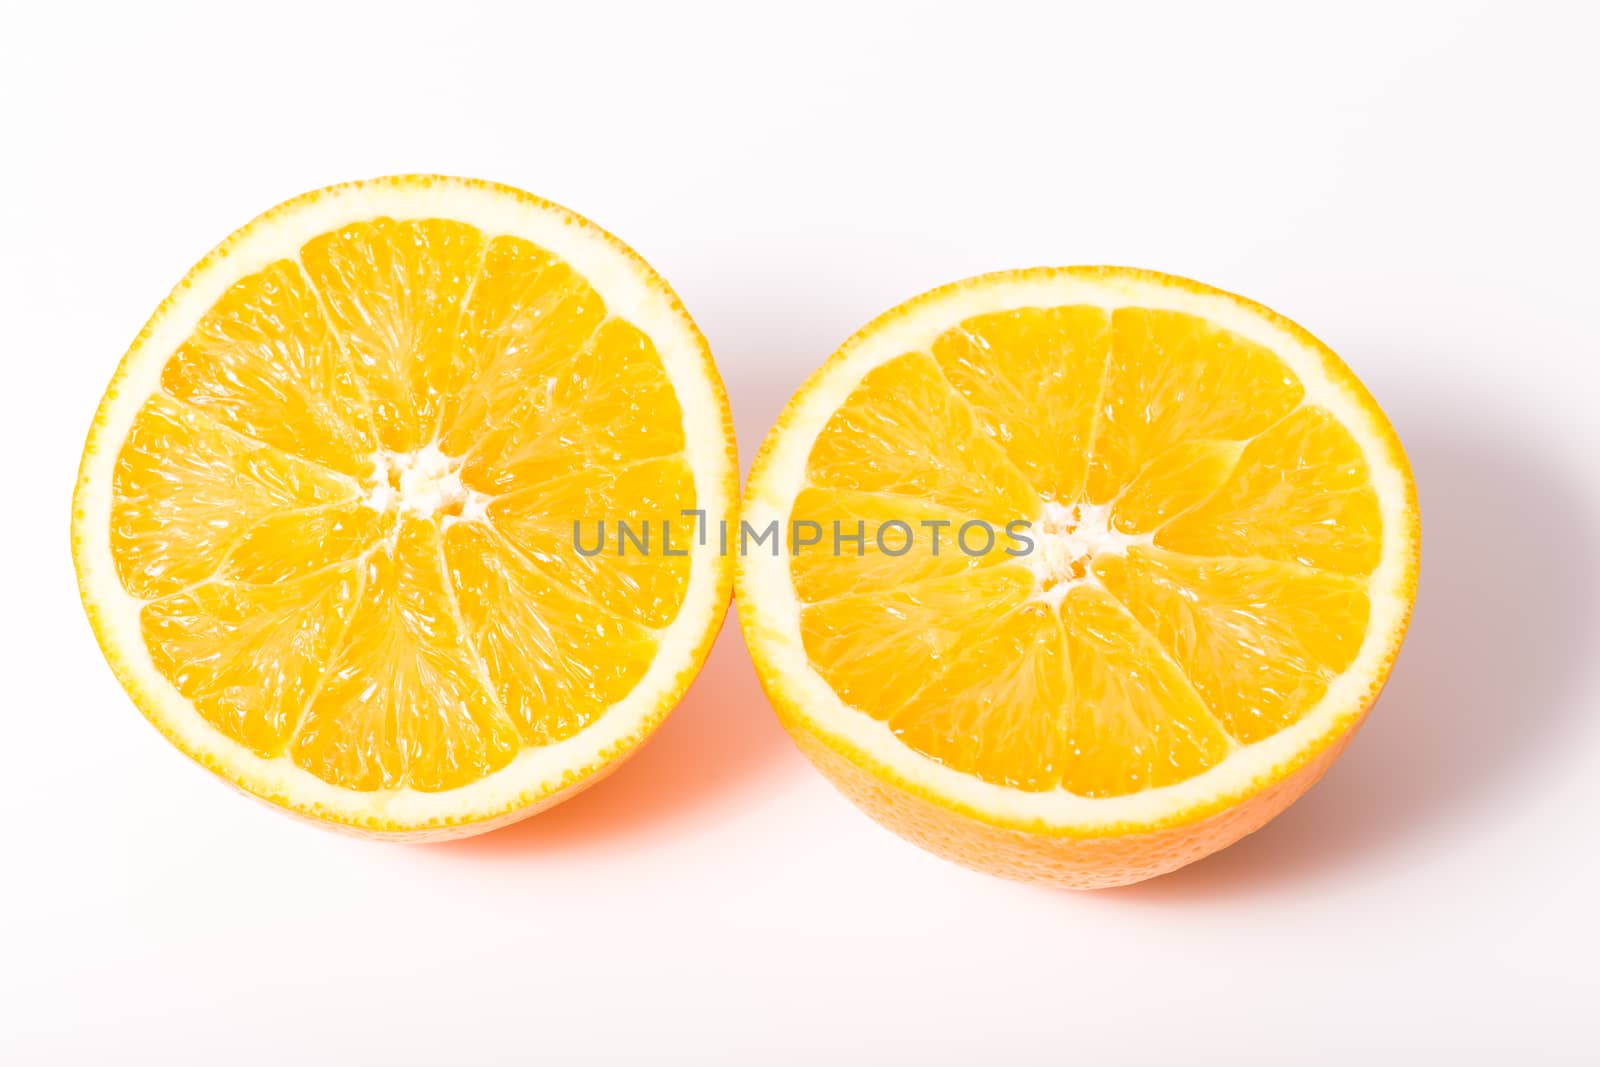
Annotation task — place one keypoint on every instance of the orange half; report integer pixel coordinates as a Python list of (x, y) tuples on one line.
[(1151, 550), (324, 525)]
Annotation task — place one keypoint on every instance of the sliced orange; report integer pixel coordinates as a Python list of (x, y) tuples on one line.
[(324, 525), (1190, 553)]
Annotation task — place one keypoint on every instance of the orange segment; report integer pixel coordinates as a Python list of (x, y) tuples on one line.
[(404, 701), (1172, 483), (619, 533), (1260, 641), (555, 658), (218, 641), (1174, 379), (875, 650), (905, 432), (1138, 722), (289, 545), (265, 362), (876, 542), (185, 491), (393, 293), (605, 403), (1001, 707), (1034, 376), (528, 317), (1300, 493)]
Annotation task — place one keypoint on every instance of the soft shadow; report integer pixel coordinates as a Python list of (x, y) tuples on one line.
[(723, 739), (1480, 699)]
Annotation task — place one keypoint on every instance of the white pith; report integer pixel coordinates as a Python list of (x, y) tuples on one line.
[(770, 607), (425, 484), (1066, 541)]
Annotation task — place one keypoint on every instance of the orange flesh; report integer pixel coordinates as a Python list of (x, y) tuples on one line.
[(1226, 586), (349, 508)]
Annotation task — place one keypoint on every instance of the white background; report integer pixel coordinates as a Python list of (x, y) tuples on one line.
[(1417, 185)]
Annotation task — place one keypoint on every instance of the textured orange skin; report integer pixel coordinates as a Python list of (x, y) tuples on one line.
[(1063, 856), (1062, 862), (532, 801)]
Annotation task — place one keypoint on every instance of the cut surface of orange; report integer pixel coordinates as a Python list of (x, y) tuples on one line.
[(325, 521), (1126, 561)]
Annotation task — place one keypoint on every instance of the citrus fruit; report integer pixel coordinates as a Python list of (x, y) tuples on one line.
[(324, 526), (1083, 573)]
